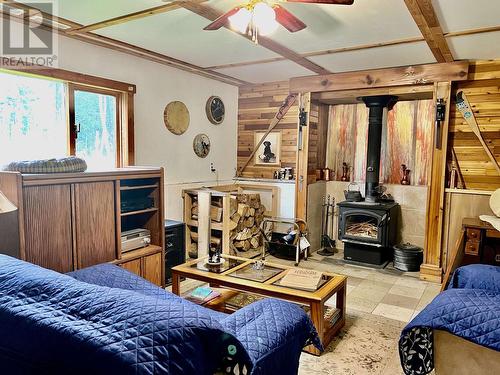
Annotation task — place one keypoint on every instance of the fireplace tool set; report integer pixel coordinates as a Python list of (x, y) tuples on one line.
[(327, 214)]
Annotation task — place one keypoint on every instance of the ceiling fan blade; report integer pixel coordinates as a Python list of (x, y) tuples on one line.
[(334, 2), (222, 20), (288, 20)]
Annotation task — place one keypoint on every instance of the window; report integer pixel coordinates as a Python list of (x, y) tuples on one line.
[(28, 130), (44, 118), (95, 130)]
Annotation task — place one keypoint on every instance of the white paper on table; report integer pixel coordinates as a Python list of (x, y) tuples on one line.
[(5, 204)]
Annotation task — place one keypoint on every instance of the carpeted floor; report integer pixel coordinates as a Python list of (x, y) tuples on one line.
[(366, 345)]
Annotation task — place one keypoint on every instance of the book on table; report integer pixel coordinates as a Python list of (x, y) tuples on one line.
[(202, 294), (299, 278)]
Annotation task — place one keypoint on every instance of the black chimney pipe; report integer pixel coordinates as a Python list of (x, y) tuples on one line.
[(376, 104)]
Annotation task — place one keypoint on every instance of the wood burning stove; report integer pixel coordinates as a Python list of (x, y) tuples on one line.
[(369, 228)]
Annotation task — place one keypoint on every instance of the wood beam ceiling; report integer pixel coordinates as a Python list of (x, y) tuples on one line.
[(130, 17), (361, 47), (62, 25), (425, 17), (212, 14)]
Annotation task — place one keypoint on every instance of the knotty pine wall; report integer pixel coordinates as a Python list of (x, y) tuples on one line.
[(257, 105), (483, 92)]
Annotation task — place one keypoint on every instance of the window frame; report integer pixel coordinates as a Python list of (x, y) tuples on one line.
[(73, 134), (123, 92)]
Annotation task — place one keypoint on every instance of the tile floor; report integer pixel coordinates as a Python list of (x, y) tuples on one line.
[(386, 292)]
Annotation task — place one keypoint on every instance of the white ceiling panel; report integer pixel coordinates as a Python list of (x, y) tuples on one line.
[(458, 15), (92, 11), (479, 46), (373, 58), (268, 72), (336, 26), (180, 34)]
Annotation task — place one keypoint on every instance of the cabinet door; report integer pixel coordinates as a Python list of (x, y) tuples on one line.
[(47, 220), (152, 269), (95, 224), (133, 266)]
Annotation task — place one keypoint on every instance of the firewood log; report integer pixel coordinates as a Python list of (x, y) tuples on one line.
[(214, 240), (254, 241)]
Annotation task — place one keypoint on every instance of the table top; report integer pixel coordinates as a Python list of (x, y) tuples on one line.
[(238, 273)]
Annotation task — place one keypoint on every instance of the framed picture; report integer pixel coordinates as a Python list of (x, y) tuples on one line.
[(269, 152)]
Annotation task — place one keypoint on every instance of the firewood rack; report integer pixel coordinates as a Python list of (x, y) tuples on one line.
[(270, 242)]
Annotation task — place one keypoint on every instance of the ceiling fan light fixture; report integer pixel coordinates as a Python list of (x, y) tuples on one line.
[(264, 18), (240, 20)]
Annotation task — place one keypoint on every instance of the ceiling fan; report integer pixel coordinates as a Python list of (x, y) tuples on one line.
[(262, 17)]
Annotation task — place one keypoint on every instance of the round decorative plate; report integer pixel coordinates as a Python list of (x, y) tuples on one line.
[(201, 145), (176, 117), (215, 110)]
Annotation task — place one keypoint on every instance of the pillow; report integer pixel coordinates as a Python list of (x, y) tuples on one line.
[(63, 165)]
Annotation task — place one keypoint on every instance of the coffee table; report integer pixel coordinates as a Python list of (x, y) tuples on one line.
[(239, 274)]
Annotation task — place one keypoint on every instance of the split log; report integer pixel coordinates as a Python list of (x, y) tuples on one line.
[(215, 212), (214, 240), (255, 242)]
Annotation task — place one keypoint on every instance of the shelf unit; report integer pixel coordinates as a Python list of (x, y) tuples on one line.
[(220, 230), (68, 221)]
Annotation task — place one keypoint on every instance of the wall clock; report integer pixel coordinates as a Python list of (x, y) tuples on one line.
[(176, 117), (215, 110), (201, 145)]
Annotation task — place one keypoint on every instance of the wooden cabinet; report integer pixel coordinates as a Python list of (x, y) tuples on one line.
[(95, 223), (148, 266), (68, 221), (48, 239)]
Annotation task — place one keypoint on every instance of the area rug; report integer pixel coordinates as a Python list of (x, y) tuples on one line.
[(366, 345)]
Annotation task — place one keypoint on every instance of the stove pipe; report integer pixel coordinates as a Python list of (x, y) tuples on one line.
[(377, 117)]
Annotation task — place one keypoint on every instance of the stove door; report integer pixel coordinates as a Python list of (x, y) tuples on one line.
[(363, 227)]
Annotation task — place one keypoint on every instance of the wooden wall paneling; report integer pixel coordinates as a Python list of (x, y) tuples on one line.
[(152, 268), (461, 204), (484, 96), (358, 166), (407, 140), (95, 213), (399, 147), (257, 105), (424, 122), (431, 268), (302, 162), (48, 232), (312, 158)]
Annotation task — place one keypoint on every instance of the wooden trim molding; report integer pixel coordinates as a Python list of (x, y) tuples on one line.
[(62, 25), (302, 159), (78, 78), (128, 17), (408, 75), (425, 17), (431, 268)]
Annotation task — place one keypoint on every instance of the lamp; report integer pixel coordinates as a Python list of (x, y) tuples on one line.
[(257, 18), (6, 205), (9, 240)]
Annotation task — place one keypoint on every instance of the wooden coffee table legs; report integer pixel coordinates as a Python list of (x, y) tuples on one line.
[(176, 283), (325, 330)]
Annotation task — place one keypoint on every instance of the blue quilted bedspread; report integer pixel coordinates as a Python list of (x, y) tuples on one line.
[(473, 314), (118, 323)]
